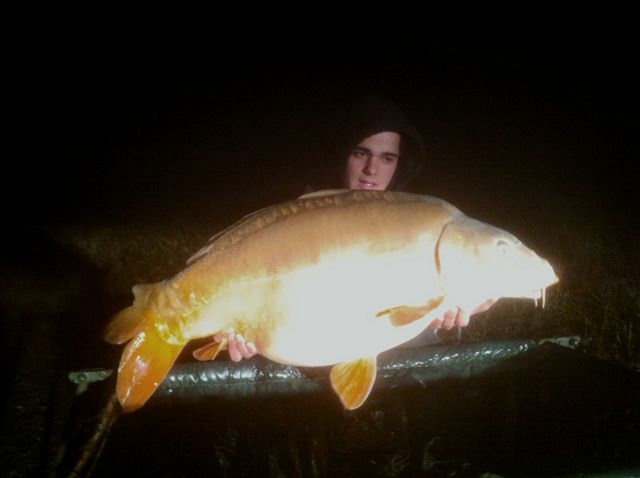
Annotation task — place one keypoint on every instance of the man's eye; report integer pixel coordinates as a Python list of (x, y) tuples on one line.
[(358, 154), (389, 159)]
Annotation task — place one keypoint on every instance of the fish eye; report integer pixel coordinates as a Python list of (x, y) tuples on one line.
[(502, 246)]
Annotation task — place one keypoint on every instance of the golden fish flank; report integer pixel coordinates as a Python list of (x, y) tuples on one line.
[(331, 278)]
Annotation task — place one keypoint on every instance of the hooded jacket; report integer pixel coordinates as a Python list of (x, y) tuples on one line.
[(375, 114)]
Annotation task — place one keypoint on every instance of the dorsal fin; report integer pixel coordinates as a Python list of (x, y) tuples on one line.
[(323, 192)]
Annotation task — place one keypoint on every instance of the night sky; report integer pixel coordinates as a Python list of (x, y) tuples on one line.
[(110, 125)]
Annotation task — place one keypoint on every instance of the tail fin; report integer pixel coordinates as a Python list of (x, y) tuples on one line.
[(147, 358), (144, 364)]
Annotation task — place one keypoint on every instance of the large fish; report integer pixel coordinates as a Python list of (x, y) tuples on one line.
[(331, 278)]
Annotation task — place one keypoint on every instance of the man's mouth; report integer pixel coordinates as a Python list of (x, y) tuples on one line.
[(366, 184)]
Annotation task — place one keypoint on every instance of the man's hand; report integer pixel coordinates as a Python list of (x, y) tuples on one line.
[(460, 318), (236, 345)]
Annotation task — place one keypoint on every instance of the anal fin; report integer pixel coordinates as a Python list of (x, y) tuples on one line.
[(353, 381)]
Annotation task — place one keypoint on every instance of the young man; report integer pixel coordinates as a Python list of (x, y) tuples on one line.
[(382, 149), (373, 162)]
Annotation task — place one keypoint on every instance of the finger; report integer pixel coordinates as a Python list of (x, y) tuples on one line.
[(242, 346), (436, 324), (232, 346), (224, 334), (462, 318), (449, 319), (251, 349), (486, 305), (489, 303)]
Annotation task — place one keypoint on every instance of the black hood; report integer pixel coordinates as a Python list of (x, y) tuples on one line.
[(374, 114)]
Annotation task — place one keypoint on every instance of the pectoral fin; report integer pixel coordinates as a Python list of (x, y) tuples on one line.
[(352, 381), (405, 314), (209, 351)]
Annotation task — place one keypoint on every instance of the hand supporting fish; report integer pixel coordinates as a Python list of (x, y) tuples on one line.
[(331, 279), (459, 317), (237, 346)]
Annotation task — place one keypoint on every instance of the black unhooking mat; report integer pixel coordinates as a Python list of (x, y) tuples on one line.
[(501, 409)]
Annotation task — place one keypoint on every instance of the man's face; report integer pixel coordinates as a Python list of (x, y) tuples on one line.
[(373, 161)]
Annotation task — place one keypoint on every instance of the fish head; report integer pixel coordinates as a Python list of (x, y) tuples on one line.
[(477, 261)]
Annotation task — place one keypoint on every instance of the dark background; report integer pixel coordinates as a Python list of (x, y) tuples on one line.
[(529, 116), (244, 114)]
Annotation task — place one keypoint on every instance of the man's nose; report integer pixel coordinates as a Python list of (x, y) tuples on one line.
[(371, 166)]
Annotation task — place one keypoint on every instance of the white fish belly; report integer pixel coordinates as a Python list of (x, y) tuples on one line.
[(331, 310)]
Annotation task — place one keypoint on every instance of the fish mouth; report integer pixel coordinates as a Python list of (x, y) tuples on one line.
[(541, 292), (537, 294)]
